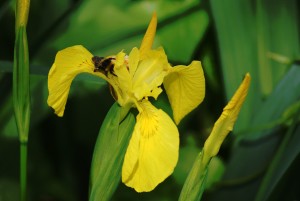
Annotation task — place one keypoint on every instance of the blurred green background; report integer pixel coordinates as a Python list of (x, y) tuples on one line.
[(258, 161)]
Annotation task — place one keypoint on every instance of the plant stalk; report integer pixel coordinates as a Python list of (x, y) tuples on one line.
[(23, 170)]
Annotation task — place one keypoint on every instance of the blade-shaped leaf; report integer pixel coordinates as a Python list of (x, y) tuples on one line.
[(254, 30), (109, 153), (284, 157), (285, 94), (195, 183), (260, 146)]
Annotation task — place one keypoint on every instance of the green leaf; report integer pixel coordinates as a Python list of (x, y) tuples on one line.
[(115, 29), (248, 32), (288, 151), (187, 31), (286, 93), (254, 151), (194, 185), (109, 153)]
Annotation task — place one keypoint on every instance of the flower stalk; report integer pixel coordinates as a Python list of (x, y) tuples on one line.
[(21, 89)]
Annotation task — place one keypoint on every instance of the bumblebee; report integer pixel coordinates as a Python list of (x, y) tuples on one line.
[(103, 65)]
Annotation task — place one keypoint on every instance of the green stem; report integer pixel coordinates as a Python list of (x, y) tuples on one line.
[(23, 170), (21, 88)]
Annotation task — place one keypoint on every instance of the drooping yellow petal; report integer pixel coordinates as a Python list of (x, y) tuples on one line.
[(68, 63), (149, 36), (185, 87), (153, 150), (226, 121)]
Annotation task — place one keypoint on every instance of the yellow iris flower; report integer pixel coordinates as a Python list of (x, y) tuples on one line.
[(152, 152)]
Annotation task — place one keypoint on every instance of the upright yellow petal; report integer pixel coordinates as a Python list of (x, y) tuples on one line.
[(152, 153), (134, 59), (149, 36), (122, 77), (68, 63), (150, 74), (226, 121), (185, 87)]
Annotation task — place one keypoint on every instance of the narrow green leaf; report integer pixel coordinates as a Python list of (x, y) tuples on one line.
[(109, 153), (194, 185), (274, 106), (287, 152)]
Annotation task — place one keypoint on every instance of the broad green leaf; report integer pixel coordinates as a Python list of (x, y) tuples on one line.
[(275, 20), (121, 26), (234, 25), (187, 31), (109, 153), (246, 40)]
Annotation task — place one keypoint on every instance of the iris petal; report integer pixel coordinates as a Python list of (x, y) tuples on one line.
[(185, 87), (122, 78), (134, 58), (150, 73), (68, 63), (153, 150)]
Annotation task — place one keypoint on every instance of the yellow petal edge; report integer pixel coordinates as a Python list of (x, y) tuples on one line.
[(152, 153), (185, 87), (68, 63), (226, 121)]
